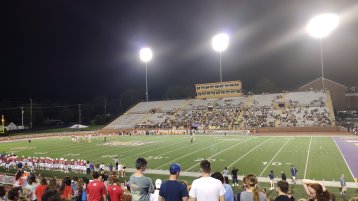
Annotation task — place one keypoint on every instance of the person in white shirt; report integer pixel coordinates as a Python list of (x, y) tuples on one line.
[(155, 195), (101, 168), (206, 188)]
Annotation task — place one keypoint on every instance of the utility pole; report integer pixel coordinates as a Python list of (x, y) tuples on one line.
[(30, 113), (79, 113), (22, 117), (2, 130)]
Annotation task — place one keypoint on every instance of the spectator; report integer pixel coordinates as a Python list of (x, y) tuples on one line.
[(52, 185), (243, 188), (283, 176), (66, 189), (51, 196), (74, 186), (172, 189), (229, 195), (40, 189), (88, 168), (234, 173), (14, 194), (18, 180), (293, 173), (101, 168), (226, 175), (252, 192), (2, 193), (206, 188), (342, 181), (316, 190), (155, 196), (96, 191), (272, 180), (140, 185), (282, 189), (110, 167), (82, 186), (115, 191), (31, 187)]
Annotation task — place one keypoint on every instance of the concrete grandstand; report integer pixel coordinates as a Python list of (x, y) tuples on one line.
[(309, 109)]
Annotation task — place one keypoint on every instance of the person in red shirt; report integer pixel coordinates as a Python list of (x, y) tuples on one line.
[(66, 189), (96, 191), (40, 189), (115, 191)]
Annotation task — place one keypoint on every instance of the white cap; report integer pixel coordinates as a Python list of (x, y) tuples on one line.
[(158, 183)]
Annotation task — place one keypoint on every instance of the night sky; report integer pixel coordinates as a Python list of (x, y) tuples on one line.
[(72, 49)]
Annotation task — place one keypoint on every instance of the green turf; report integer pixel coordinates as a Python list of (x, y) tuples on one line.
[(256, 155)]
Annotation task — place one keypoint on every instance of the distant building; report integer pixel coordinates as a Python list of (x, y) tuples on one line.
[(352, 99), (12, 127), (219, 89), (337, 91)]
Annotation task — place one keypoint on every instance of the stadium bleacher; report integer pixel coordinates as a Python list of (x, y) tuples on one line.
[(294, 109)]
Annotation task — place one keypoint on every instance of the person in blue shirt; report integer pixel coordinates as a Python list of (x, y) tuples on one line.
[(293, 173), (229, 195), (172, 189), (272, 180)]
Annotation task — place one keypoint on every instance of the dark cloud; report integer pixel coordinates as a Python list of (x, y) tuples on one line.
[(82, 49)]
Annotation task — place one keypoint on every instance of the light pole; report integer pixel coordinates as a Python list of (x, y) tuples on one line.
[(321, 26), (22, 117), (219, 43), (146, 55), (2, 130)]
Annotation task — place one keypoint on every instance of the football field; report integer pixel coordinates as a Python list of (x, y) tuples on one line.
[(315, 157)]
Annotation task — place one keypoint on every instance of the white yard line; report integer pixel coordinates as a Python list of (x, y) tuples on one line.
[(343, 158), (268, 164), (308, 156), (160, 147), (176, 159), (221, 152), (248, 153)]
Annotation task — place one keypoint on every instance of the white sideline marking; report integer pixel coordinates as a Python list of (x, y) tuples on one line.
[(274, 157), (188, 154), (344, 158), (308, 155), (248, 152), (220, 152)]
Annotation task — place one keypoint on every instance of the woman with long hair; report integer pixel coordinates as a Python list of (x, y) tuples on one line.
[(316, 191), (18, 180), (52, 185), (252, 192), (66, 189), (31, 187)]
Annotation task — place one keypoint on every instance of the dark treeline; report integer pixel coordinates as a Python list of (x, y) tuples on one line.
[(97, 111)]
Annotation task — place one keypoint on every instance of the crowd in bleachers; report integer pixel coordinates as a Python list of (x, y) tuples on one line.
[(208, 187), (297, 109)]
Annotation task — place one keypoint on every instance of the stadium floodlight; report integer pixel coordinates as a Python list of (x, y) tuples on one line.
[(219, 43), (321, 26), (146, 55)]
